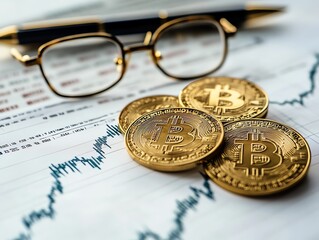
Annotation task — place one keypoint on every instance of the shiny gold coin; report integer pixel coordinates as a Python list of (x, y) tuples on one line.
[(259, 157), (228, 99), (173, 139), (140, 106)]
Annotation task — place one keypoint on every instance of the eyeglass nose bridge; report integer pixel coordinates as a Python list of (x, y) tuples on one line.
[(138, 47), (147, 45), (135, 48)]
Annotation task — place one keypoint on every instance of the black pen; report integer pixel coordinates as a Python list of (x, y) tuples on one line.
[(45, 31)]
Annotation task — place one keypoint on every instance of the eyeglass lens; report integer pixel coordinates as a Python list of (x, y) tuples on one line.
[(199, 47), (82, 66)]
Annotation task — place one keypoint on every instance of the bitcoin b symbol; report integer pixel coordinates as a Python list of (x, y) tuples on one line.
[(257, 155), (223, 99), (174, 133)]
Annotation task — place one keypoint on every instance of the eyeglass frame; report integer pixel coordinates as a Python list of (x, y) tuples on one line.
[(225, 28)]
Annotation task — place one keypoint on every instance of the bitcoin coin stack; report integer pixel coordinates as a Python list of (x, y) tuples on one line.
[(218, 123)]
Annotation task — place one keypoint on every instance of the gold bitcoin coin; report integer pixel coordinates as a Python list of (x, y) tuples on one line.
[(173, 139), (228, 99), (140, 106), (259, 157)]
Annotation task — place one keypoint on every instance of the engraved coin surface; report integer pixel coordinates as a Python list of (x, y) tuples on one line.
[(173, 139), (259, 157), (228, 99), (137, 108)]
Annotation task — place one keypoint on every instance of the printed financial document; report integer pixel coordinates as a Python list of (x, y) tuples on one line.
[(65, 173)]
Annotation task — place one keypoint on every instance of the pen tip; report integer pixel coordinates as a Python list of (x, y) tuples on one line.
[(256, 11)]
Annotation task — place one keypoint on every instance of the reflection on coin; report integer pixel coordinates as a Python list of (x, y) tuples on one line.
[(228, 99), (140, 106), (173, 139), (259, 157)]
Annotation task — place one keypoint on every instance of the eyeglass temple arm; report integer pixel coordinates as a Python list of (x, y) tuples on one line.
[(229, 28), (26, 60)]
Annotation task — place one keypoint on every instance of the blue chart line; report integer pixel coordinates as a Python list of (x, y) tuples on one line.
[(62, 169), (301, 97), (182, 208)]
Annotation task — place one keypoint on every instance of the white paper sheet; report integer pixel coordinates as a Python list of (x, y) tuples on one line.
[(65, 173)]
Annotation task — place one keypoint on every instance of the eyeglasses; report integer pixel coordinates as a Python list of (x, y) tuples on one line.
[(86, 64)]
